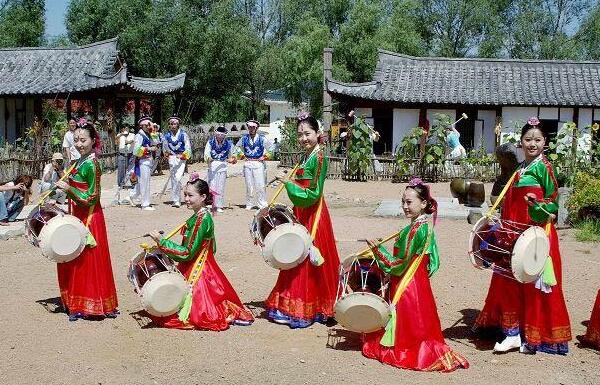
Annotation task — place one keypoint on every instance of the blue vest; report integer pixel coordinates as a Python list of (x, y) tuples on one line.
[(255, 150), (219, 152), (176, 145)]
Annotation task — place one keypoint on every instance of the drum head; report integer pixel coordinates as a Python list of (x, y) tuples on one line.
[(529, 254), (63, 238), (286, 246), (362, 312), (163, 293)]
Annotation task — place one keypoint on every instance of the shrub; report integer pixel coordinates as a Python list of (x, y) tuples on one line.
[(588, 231), (585, 195)]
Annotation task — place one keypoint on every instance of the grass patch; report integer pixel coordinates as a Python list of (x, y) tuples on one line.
[(588, 231)]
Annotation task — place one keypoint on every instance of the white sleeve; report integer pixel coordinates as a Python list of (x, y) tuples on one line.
[(47, 173), (188, 144), (65, 142), (207, 150)]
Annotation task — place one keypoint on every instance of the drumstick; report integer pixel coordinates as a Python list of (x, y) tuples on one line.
[(47, 193), (140, 236), (382, 241), (280, 188)]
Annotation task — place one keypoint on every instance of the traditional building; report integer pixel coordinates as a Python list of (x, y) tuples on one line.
[(408, 91), (92, 73)]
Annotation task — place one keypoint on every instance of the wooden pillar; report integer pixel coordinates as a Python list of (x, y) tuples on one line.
[(136, 114), (69, 109), (95, 107), (158, 110), (327, 72)]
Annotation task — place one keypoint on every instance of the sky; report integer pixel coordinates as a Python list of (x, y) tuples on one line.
[(55, 17)]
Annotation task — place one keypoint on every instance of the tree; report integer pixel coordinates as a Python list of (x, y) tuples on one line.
[(589, 35), (22, 23)]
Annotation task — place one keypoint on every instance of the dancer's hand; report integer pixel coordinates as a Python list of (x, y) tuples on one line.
[(61, 184), (156, 235)]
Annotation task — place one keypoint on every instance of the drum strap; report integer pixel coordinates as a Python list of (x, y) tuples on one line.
[(502, 194), (184, 312), (389, 337)]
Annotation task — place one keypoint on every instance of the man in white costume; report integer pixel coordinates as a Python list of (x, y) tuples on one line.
[(144, 151), (177, 146), (217, 153), (255, 149)]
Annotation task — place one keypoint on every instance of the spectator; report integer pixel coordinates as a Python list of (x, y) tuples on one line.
[(69, 150), (15, 195), (52, 173)]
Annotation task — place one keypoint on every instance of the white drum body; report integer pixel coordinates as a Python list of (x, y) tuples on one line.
[(284, 242), (60, 236), (515, 250), (361, 304), (158, 282)]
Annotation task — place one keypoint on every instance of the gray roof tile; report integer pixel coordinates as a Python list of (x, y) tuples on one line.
[(408, 79), (30, 71)]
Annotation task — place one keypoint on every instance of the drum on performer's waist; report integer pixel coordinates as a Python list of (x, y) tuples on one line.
[(60, 236), (509, 248), (158, 283), (362, 298), (284, 242)]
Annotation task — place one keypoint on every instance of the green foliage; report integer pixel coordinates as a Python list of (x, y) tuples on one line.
[(571, 152), (588, 230), (479, 157), (585, 194), (435, 144), (360, 149), (407, 151), (289, 136), (21, 23)]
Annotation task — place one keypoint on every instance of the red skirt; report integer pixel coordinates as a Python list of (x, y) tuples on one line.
[(215, 303), (308, 292), (592, 336), (419, 343), (87, 286), (541, 318)]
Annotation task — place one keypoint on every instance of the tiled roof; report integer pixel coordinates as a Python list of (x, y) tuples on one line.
[(408, 79), (30, 71)]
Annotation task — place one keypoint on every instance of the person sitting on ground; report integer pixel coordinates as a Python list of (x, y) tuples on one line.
[(52, 173), (15, 195)]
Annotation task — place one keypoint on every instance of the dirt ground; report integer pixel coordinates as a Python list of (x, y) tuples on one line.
[(39, 345)]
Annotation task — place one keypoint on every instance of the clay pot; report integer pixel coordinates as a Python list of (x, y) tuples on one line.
[(475, 194), (459, 188)]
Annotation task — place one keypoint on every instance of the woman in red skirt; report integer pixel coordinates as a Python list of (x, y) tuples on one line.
[(87, 287), (592, 336), (306, 293), (212, 303), (413, 337), (532, 316)]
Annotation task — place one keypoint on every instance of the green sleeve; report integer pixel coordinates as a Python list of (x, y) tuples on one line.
[(89, 172), (545, 176), (388, 262), (197, 231), (418, 243), (305, 197)]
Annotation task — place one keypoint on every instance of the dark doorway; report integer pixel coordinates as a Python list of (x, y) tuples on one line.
[(550, 127), (383, 121), (466, 128)]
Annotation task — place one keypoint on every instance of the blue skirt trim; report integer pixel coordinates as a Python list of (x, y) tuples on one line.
[(277, 316)]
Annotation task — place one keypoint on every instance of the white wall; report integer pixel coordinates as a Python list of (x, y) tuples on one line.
[(404, 121), (431, 114), (585, 117), (366, 114), (513, 118), (550, 113), (566, 114), (489, 136), (281, 110)]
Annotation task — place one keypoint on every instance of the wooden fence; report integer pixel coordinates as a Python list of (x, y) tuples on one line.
[(386, 168)]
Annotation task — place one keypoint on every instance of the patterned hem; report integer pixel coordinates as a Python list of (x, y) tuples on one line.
[(561, 348), (294, 322), (89, 306)]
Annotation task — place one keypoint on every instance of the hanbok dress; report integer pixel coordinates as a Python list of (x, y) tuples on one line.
[(87, 286), (212, 303), (414, 340), (535, 310), (306, 293)]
